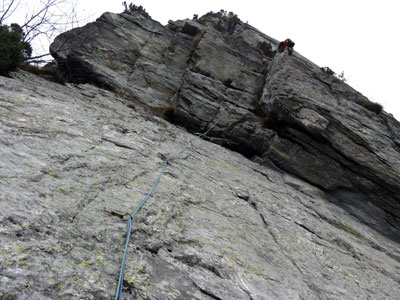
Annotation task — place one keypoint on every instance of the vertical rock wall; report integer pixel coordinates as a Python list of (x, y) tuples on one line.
[(284, 111)]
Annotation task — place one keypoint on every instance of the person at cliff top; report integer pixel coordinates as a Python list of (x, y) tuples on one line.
[(289, 44)]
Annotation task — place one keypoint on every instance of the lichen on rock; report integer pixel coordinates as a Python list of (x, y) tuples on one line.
[(295, 195)]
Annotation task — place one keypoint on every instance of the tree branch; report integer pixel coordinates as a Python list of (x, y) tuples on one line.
[(43, 19), (7, 11)]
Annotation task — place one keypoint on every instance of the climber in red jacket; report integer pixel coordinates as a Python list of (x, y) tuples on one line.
[(282, 46), (289, 44)]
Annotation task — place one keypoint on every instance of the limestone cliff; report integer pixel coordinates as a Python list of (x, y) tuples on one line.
[(297, 196)]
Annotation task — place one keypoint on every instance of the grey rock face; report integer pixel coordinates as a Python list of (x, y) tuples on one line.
[(314, 214), (326, 138), (284, 111), (219, 226)]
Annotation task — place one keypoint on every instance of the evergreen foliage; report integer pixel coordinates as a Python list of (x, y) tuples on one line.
[(134, 8), (13, 49), (327, 70)]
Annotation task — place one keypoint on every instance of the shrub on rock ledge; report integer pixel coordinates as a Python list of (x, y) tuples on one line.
[(371, 106), (134, 8), (13, 49)]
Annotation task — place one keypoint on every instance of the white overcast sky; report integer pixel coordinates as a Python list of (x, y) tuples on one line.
[(359, 37)]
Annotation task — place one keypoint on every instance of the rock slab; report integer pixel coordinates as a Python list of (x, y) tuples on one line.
[(219, 226), (284, 111), (295, 195)]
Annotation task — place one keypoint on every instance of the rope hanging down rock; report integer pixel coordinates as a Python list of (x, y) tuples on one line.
[(118, 293)]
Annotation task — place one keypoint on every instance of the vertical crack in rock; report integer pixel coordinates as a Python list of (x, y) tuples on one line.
[(118, 144), (309, 230), (139, 53), (290, 259), (244, 195), (266, 225), (304, 277), (248, 293), (196, 42), (206, 292)]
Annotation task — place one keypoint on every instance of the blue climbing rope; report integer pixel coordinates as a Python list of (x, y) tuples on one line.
[(118, 293), (129, 225), (128, 230)]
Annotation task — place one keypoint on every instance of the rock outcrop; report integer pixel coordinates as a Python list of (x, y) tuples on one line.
[(298, 196), (285, 111)]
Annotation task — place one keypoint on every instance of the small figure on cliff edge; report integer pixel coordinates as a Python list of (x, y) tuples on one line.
[(289, 44)]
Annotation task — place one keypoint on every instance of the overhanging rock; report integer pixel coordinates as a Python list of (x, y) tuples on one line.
[(219, 226), (295, 117)]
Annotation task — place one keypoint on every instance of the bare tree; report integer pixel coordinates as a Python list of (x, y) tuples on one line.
[(7, 9), (42, 21)]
